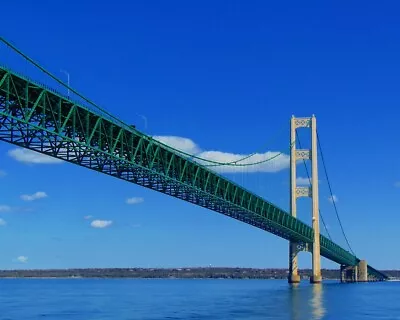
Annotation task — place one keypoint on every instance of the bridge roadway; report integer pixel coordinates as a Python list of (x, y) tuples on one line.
[(35, 117)]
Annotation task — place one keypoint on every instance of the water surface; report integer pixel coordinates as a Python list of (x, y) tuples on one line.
[(114, 299)]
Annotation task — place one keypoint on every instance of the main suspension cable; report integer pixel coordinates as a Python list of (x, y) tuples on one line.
[(332, 196), (309, 179), (214, 163)]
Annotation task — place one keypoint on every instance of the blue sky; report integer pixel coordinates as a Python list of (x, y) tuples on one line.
[(227, 75)]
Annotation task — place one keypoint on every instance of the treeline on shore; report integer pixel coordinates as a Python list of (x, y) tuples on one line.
[(182, 273)]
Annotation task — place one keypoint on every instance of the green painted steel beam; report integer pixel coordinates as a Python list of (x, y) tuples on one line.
[(33, 117)]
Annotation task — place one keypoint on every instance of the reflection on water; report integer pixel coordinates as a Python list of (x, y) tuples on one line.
[(295, 303), (318, 310), (302, 297)]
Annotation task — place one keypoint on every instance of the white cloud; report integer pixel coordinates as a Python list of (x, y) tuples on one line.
[(134, 200), (183, 144), (333, 198), (397, 184), (277, 163), (2, 222), (88, 217), (29, 156), (35, 196), (3, 173), (101, 223), (22, 259), (4, 208), (189, 146), (302, 181)]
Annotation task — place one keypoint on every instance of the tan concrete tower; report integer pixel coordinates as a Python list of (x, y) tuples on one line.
[(293, 261), (312, 191), (316, 249)]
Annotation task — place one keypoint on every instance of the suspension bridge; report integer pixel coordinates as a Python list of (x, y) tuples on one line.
[(36, 117)]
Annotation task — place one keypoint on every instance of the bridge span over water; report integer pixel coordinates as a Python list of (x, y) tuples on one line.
[(38, 118)]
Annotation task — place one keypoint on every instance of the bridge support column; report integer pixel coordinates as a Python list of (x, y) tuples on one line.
[(293, 276), (316, 249), (342, 273), (293, 266), (362, 271), (349, 273), (355, 273), (310, 191)]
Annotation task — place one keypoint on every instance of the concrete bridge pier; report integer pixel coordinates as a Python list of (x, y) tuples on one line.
[(362, 271), (342, 273), (348, 274), (358, 273)]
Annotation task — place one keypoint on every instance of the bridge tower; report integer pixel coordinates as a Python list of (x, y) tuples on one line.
[(311, 191)]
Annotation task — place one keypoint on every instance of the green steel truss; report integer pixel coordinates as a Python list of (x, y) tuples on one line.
[(34, 117)]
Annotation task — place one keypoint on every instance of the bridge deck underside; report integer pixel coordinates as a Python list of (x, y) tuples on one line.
[(36, 118)]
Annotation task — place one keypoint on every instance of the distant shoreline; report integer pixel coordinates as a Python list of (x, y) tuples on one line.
[(170, 273), (137, 278), (141, 278)]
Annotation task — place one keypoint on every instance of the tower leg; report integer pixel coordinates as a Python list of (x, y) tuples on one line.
[(316, 250), (316, 278), (316, 266), (293, 266), (293, 276)]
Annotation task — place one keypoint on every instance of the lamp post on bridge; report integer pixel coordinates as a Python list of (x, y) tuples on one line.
[(67, 74)]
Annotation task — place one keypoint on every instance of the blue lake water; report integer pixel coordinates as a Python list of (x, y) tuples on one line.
[(106, 299)]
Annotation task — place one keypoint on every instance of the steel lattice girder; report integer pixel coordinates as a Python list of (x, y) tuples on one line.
[(33, 117)]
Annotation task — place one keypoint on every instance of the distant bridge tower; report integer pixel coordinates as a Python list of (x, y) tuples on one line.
[(311, 191)]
